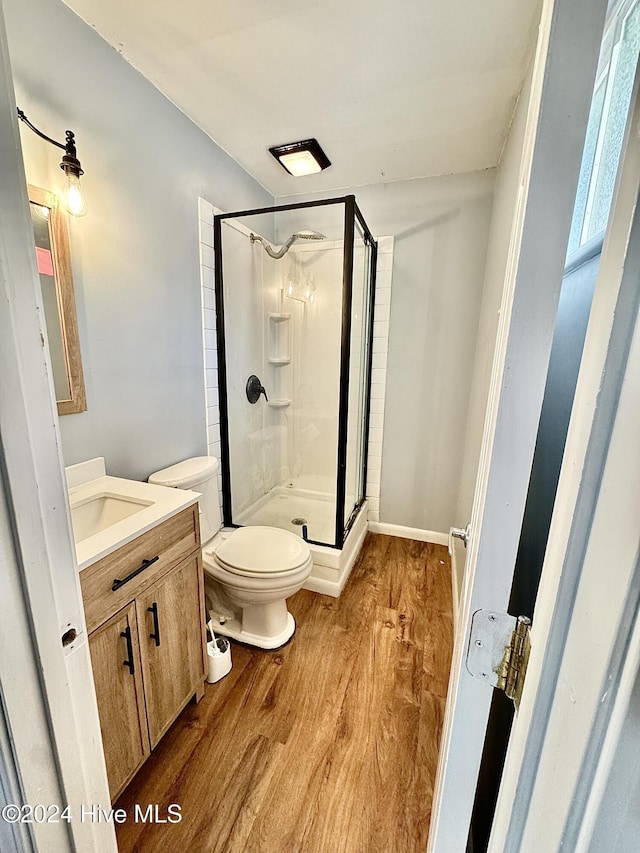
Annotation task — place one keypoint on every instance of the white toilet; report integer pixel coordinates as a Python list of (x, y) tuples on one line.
[(250, 572)]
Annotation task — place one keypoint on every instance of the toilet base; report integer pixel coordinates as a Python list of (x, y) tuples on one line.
[(232, 628)]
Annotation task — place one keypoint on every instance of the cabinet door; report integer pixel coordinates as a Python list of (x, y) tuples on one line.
[(115, 659), (171, 624)]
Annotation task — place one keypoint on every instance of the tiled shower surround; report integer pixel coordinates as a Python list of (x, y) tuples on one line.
[(381, 317), (207, 280)]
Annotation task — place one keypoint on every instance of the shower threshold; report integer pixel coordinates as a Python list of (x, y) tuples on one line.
[(284, 507)]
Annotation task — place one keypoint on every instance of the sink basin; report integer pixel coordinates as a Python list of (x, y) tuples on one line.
[(107, 512), (100, 511)]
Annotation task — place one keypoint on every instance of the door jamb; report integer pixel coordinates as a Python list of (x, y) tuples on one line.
[(64, 753)]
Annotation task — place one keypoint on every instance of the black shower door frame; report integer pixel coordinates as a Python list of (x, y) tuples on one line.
[(351, 213)]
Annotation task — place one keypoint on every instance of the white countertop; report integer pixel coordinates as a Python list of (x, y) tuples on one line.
[(158, 503)]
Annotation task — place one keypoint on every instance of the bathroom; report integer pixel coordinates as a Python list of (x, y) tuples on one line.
[(143, 256)]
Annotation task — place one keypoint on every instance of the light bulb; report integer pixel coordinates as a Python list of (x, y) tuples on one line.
[(73, 197), (312, 298), (300, 163), (290, 289)]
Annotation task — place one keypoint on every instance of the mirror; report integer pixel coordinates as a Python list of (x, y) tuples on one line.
[(54, 268)]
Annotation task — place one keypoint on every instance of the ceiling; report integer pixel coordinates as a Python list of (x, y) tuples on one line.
[(392, 89)]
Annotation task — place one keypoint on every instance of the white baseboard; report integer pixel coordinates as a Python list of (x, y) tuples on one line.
[(409, 533)]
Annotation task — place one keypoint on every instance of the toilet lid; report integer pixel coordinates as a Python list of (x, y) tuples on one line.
[(258, 550)]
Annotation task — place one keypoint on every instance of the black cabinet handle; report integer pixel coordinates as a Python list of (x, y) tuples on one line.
[(156, 623), (117, 583), (129, 662)]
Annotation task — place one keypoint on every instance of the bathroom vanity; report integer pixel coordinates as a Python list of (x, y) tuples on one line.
[(144, 608)]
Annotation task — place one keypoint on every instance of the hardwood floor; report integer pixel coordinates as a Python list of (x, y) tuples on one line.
[(328, 745)]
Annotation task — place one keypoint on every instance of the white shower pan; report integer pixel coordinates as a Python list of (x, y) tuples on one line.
[(331, 566)]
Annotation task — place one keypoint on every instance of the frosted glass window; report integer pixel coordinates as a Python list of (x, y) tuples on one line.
[(607, 123), (616, 120), (586, 168)]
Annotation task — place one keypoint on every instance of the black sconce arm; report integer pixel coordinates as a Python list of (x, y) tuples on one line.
[(42, 135), (70, 165), (70, 160)]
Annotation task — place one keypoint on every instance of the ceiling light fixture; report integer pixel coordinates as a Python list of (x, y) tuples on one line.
[(73, 197), (301, 158)]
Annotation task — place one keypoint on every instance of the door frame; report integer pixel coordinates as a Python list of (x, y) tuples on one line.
[(563, 72), (577, 673), (47, 689)]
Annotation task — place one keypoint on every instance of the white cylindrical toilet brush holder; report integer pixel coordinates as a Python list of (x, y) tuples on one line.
[(219, 656)]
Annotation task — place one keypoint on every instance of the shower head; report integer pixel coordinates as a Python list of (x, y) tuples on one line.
[(282, 251), (309, 235)]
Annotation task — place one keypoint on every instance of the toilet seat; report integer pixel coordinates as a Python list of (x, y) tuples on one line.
[(262, 552), (249, 573), (248, 577)]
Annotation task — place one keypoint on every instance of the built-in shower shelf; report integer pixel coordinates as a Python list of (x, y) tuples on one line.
[(279, 340), (279, 404)]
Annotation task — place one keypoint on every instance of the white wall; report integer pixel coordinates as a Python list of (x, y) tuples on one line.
[(441, 228), (135, 254), (506, 189)]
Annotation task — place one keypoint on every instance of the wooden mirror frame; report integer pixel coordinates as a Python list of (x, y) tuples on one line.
[(61, 257)]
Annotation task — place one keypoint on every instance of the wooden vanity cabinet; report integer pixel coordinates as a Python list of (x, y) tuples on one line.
[(146, 639), (170, 645), (120, 697)]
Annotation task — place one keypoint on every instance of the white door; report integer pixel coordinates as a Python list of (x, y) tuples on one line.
[(585, 651), (562, 85)]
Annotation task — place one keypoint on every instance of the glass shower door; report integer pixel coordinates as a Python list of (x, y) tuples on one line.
[(294, 289), (359, 373), (279, 320)]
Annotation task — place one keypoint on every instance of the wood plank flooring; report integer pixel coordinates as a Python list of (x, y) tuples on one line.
[(329, 745)]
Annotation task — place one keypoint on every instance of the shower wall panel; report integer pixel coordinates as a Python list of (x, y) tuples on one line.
[(255, 443), (316, 369)]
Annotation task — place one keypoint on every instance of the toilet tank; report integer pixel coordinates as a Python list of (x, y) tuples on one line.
[(201, 475)]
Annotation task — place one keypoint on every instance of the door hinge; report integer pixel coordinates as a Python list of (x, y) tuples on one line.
[(498, 653)]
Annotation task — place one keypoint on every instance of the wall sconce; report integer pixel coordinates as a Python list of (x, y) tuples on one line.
[(73, 198)]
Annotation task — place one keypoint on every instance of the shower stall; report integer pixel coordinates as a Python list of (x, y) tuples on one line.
[(295, 288)]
